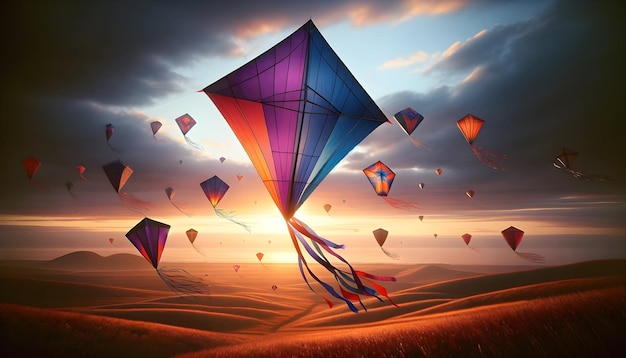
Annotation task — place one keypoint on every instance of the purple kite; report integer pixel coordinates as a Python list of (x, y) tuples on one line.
[(109, 129), (215, 188), (298, 111), (409, 119), (149, 237)]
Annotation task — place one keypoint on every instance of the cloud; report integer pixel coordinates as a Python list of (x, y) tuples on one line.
[(540, 84), (417, 57)]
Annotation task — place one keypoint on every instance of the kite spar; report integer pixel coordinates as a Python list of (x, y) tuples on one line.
[(298, 111)]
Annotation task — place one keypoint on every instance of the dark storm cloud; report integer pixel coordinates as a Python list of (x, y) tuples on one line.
[(540, 85), (66, 64)]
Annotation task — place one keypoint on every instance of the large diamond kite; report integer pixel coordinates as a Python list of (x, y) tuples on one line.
[(298, 111)]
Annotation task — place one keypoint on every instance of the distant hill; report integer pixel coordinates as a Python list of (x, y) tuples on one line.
[(432, 273), (90, 261)]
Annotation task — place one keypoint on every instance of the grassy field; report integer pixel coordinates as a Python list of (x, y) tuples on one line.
[(576, 310)]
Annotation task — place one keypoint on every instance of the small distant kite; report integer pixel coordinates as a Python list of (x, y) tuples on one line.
[(259, 256), (564, 162), (69, 185), (149, 237), (421, 185), (185, 123), (155, 126), (381, 178), (467, 238), (109, 129), (81, 170), (470, 126), (470, 193), (409, 119), (118, 173), (236, 268), (435, 235), (215, 188), (222, 159), (192, 234), (381, 236), (31, 165), (170, 192), (274, 287), (111, 240), (421, 217), (513, 237), (439, 171), (239, 177), (327, 208)]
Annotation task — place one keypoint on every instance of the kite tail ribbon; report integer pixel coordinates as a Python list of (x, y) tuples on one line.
[(183, 283), (39, 185), (491, 159), (230, 217), (581, 175), (194, 144), (115, 149), (532, 257), (401, 204), (351, 285), (180, 209), (418, 144), (390, 254), (134, 203)]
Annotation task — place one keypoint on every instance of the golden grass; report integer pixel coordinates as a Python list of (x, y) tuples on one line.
[(587, 324), (36, 332), (573, 310)]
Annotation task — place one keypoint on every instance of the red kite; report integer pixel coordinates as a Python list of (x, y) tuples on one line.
[(31, 165), (185, 123), (513, 237)]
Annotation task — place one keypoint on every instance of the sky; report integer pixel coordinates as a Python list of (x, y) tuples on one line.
[(544, 75)]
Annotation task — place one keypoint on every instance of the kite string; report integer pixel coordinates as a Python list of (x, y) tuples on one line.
[(489, 158), (230, 217)]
